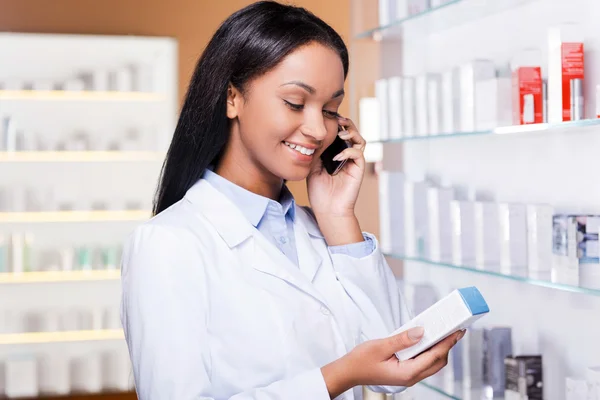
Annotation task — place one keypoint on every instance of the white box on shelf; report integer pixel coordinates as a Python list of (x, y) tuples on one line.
[(440, 224), (470, 73), (513, 225), (421, 98), (487, 231), (464, 234), (434, 104), (391, 205), (115, 370), (410, 241), (576, 389), (387, 11), (381, 92), (592, 376), (54, 374), (368, 110), (539, 239), (454, 312), (395, 107), (401, 9), (451, 105), (20, 377), (493, 105), (421, 219), (409, 114), (86, 373)]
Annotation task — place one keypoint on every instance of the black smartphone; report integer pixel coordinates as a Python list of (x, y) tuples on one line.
[(338, 145)]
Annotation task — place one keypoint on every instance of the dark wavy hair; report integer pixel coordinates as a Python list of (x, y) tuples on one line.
[(249, 43)]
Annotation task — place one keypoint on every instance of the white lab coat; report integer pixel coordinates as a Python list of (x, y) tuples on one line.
[(212, 310)]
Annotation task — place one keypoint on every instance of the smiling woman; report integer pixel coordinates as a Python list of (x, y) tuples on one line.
[(232, 291)]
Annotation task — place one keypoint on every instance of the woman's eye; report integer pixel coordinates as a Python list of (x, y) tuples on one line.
[(295, 107), (330, 114)]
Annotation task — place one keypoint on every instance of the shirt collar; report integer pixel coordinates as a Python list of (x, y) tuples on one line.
[(252, 205)]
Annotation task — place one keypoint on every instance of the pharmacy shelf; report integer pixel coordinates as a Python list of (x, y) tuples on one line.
[(80, 156), (531, 281), (505, 130), (459, 393), (61, 337), (450, 14), (59, 276), (73, 216), (60, 95)]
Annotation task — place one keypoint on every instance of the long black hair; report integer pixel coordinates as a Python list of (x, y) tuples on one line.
[(249, 43)]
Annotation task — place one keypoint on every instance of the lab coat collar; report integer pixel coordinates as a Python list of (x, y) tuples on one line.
[(235, 229)]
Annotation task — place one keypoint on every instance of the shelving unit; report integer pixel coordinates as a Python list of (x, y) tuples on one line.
[(532, 164), (80, 156), (92, 142), (73, 216), (59, 276), (60, 337)]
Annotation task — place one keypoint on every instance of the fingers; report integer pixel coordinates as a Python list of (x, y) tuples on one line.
[(351, 134), (404, 339), (434, 359)]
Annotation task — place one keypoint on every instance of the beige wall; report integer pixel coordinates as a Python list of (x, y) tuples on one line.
[(191, 22)]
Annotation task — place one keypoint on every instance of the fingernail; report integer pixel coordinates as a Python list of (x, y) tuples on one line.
[(342, 118), (461, 334), (415, 334), (338, 157)]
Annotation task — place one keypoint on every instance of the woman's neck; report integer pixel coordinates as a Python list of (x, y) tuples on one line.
[(246, 174)]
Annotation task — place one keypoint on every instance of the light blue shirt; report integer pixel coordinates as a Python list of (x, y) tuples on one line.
[(275, 220)]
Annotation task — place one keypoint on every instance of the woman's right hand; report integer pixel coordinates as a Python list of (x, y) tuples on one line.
[(374, 363)]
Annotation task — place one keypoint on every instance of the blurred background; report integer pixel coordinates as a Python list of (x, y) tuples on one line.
[(481, 118)]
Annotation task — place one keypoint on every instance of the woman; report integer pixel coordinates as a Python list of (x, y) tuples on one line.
[(232, 291)]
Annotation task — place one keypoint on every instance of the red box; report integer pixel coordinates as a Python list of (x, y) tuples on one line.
[(527, 102), (572, 68)]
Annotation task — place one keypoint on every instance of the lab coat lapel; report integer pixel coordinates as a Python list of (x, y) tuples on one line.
[(261, 254), (309, 256)]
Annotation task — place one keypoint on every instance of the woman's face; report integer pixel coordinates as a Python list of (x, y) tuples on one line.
[(288, 116)]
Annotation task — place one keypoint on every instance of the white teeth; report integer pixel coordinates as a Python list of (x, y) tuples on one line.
[(300, 149)]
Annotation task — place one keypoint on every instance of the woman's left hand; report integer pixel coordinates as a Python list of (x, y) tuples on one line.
[(336, 195)]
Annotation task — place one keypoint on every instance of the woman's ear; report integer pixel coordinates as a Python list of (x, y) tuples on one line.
[(233, 101)]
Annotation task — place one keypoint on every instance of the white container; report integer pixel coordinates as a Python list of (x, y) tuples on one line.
[(20, 377), (421, 93), (409, 106), (434, 104), (391, 211), (395, 107), (381, 92), (469, 74)]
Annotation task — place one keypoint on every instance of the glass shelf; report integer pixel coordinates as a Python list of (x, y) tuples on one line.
[(61, 95), (60, 337), (80, 156), (505, 130), (450, 14), (59, 276), (73, 216), (531, 281), (459, 393)]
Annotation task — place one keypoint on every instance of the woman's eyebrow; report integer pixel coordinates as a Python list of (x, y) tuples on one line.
[(311, 89)]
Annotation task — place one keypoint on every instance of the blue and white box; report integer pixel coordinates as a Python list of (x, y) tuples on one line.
[(456, 311)]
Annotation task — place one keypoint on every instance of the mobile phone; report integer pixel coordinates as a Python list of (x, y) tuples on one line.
[(338, 145)]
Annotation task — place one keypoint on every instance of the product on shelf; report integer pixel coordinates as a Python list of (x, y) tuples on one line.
[(576, 389), (456, 311), (434, 104), (470, 74), (497, 346), (392, 217), (524, 377), (565, 73), (421, 99), (439, 202), (592, 376), (409, 106), (395, 103), (539, 240), (381, 92), (418, 6), (527, 88), (513, 252), (451, 104), (493, 100), (20, 377), (576, 250)]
